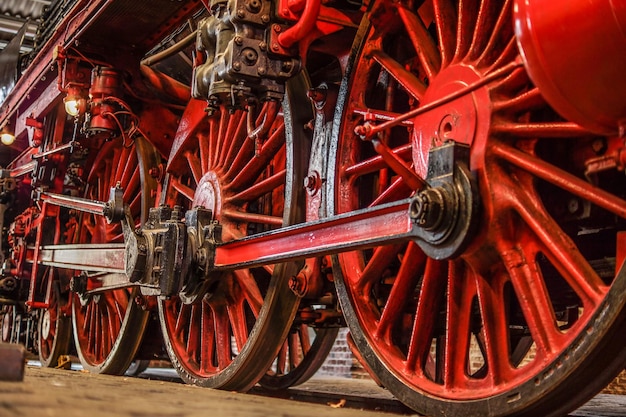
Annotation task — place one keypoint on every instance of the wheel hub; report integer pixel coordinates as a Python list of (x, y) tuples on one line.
[(6, 327), (462, 120), (45, 325), (447, 211), (209, 194)]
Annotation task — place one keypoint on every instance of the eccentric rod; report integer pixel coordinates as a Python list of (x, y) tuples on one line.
[(367, 130)]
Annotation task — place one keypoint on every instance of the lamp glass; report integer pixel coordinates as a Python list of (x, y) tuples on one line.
[(72, 106), (7, 138)]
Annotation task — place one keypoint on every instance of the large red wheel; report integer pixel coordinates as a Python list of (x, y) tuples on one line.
[(527, 316), (108, 327), (241, 167)]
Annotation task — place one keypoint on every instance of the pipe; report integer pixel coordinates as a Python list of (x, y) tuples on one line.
[(303, 27), (172, 50), (166, 84)]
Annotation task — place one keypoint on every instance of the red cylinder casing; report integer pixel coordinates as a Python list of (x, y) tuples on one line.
[(575, 53)]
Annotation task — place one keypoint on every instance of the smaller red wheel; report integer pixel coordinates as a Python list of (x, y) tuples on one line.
[(109, 326), (8, 322), (239, 164), (54, 327), (302, 354)]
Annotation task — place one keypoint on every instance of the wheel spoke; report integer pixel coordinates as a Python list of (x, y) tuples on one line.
[(193, 339), (194, 165), (533, 297), (239, 145), (236, 131), (252, 218), (238, 323), (305, 339), (526, 101), (543, 130), (216, 139), (428, 305), (253, 169), (461, 292), (259, 189), (129, 160), (404, 77), (375, 267), (375, 163), (250, 289), (495, 329), (402, 291), (445, 19), (561, 179), (222, 335), (203, 146), (294, 355), (281, 360), (422, 42), (575, 269), (467, 17), (501, 32), (184, 190), (396, 191)]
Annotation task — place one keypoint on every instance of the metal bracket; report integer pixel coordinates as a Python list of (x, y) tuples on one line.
[(203, 236), (446, 211)]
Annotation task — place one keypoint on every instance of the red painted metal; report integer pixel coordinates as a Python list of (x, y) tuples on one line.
[(532, 272), (304, 25), (573, 51), (359, 230)]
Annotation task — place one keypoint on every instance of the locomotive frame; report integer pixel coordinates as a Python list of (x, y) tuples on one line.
[(440, 176)]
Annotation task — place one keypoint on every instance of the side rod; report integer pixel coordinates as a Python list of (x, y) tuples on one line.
[(105, 257), (384, 224)]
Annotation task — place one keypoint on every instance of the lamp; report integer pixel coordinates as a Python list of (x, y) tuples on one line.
[(7, 138), (75, 102)]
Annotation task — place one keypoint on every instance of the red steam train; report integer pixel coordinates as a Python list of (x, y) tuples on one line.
[(231, 181)]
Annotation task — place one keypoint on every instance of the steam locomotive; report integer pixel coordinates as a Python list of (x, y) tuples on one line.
[(228, 182)]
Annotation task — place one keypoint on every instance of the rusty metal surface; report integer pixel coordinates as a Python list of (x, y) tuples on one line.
[(12, 362)]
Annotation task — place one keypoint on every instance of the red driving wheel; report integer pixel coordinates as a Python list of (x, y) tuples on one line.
[(510, 321), (239, 164)]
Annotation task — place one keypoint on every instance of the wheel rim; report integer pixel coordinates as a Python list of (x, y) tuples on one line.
[(108, 327), (528, 280), (228, 336), (300, 356)]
